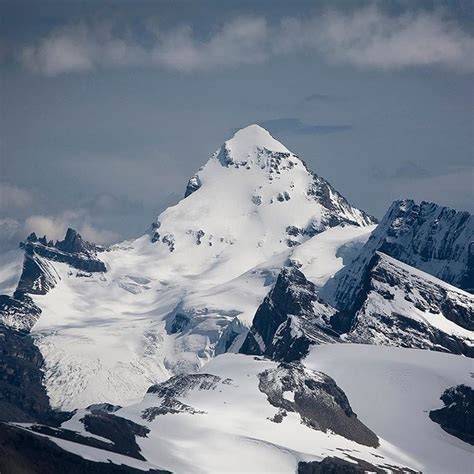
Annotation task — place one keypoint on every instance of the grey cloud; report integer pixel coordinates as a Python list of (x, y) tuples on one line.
[(321, 98), (366, 37), (406, 170), (299, 127), (410, 169)]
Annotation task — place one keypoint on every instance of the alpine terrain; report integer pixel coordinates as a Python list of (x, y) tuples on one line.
[(262, 324)]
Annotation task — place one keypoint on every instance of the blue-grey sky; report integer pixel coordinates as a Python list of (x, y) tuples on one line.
[(107, 108)]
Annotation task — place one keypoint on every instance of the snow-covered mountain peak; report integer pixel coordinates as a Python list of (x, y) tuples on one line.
[(252, 199), (250, 144)]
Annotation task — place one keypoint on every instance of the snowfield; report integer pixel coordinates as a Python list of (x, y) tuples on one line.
[(225, 423), (393, 389)]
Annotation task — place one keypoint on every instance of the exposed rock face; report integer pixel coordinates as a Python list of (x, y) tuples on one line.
[(337, 205), (429, 237), (193, 185), (23, 397), (316, 397), (333, 465), (289, 320), (22, 451), (73, 250), (38, 275), (18, 311), (402, 307), (167, 394), (457, 415)]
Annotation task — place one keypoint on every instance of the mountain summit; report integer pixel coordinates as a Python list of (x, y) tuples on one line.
[(254, 193), (167, 302)]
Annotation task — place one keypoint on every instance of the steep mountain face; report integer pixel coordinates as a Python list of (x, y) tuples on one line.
[(404, 307), (111, 322), (252, 199), (289, 320), (22, 394), (39, 276), (432, 238), (397, 305)]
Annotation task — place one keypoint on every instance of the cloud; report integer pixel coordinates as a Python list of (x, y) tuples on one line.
[(406, 170), (366, 37), (295, 125), (54, 227), (321, 98), (10, 231), (14, 198), (371, 38)]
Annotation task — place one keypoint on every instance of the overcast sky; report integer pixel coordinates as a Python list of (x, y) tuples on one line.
[(107, 108)]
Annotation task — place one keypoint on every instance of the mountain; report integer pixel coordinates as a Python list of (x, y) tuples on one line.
[(251, 414), (432, 238), (397, 305), (243, 331), (405, 307), (111, 322)]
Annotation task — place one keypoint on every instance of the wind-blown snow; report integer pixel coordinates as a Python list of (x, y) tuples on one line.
[(11, 264)]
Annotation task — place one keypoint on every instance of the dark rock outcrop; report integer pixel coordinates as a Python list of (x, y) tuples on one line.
[(22, 451), (316, 397), (334, 465), (457, 415), (167, 394), (289, 320), (73, 250), (396, 305), (426, 236), (23, 397)]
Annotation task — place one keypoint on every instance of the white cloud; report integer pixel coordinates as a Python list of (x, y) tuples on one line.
[(14, 198), (373, 39), (54, 227), (366, 38)]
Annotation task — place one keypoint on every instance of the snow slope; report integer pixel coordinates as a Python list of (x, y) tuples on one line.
[(393, 389), (223, 422), (11, 264), (172, 298)]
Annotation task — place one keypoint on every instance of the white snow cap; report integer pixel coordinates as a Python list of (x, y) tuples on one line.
[(246, 141)]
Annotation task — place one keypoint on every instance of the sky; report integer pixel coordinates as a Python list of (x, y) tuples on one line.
[(107, 108)]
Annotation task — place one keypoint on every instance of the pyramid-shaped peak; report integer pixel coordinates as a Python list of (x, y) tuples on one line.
[(247, 140)]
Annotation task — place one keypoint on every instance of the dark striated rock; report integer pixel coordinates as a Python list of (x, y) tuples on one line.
[(333, 465), (179, 386), (289, 320), (395, 305), (24, 452), (72, 250), (457, 416), (74, 243), (18, 311), (120, 431), (193, 185), (23, 397), (316, 397), (340, 211), (426, 236)]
